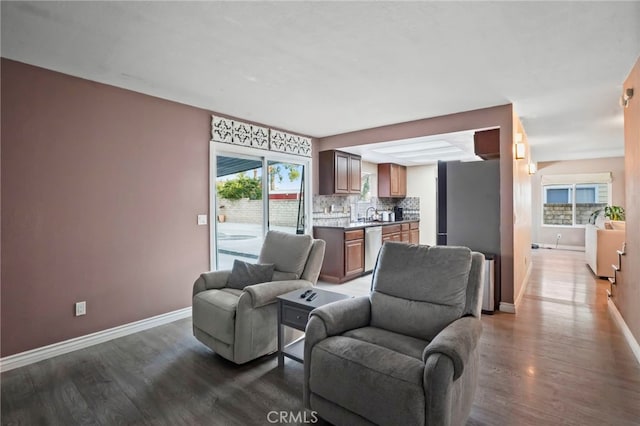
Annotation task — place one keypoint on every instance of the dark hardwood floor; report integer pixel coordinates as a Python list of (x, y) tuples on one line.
[(560, 360)]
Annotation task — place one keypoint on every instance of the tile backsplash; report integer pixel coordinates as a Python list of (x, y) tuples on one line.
[(331, 210)]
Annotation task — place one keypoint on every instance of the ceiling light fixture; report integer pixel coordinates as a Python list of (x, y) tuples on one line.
[(429, 152), (462, 156), (416, 146)]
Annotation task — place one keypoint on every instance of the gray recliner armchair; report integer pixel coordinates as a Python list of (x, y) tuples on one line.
[(241, 325), (407, 353)]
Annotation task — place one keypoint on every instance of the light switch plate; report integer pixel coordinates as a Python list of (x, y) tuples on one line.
[(202, 219), (81, 308)]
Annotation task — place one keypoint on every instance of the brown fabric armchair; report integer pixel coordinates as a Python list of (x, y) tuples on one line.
[(241, 325)]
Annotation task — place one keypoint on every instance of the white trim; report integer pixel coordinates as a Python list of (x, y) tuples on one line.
[(507, 307), (213, 216), (512, 307), (525, 283), (560, 247), (633, 343), (45, 352)]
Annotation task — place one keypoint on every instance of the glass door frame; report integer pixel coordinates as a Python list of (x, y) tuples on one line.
[(218, 148)]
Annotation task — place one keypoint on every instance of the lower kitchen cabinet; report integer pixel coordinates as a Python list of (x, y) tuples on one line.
[(353, 258), (344, 254), (414, 233), (392, 233), (345, 250), (405, 236)]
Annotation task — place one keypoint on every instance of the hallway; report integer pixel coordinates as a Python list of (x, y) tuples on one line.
[(561, 359)]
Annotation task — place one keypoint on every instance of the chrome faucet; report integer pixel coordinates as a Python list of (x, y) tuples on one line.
[(366, 215)]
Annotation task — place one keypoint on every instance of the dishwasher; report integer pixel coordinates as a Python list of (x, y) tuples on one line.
[(372, 244)]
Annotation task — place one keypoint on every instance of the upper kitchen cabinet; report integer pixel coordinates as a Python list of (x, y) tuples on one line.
[(340, 173), (392, 180), (486, 144)]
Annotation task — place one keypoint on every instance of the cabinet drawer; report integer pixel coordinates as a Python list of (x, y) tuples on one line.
[(404, 226), (414, 225), (357, 234), (390, 229), (295, 317)]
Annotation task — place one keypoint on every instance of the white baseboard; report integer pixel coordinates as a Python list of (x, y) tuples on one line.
[(633, 343), (561, 247), (523, 289), (512, 307), (39, 354), (507, 307)]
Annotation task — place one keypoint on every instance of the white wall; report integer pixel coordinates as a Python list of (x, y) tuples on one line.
[(574, 237), (422, 182)]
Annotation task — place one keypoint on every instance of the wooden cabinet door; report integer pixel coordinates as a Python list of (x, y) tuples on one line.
[(414, 236), (341, 171), (395, 179), (355, 174), (392, 180), (353, 257), (402, 184), (405, 236), (396, 237)]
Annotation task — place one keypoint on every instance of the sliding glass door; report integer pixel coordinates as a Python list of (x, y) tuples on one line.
[(286, 197), (254, 191), (239, 209)]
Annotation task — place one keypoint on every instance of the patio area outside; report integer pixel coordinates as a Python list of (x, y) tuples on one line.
[(241, 241)]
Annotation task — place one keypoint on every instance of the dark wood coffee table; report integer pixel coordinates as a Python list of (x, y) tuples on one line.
[(293, 311)]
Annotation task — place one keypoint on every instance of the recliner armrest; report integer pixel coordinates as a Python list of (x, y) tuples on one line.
[(265, 293), (344, 315), (210, 280), (330, 320), (457, 341)]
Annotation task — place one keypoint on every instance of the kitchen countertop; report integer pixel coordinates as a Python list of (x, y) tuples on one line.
[(359, 225)]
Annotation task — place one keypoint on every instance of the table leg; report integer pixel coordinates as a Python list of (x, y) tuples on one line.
[(280, 336)]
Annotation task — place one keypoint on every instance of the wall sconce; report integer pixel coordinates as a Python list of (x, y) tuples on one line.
[(532, 168), (520, 150), (626, 97)]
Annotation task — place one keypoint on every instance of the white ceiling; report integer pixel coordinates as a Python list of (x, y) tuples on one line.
[(323, 68)]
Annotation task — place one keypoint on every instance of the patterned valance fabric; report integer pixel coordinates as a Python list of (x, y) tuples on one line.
[(239, 133)]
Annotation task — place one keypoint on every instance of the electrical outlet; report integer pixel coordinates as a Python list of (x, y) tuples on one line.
[(81, 308), (202, 219)]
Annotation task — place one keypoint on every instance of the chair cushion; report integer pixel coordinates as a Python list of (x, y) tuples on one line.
[(289, 252), (214, 312), (244, 274), (419, 290), (396, 342), (372, 381)]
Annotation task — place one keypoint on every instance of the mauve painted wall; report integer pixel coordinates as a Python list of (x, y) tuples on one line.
[(100, 192)]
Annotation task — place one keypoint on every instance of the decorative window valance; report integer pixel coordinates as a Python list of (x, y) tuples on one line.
[(239, 133), (604, 177)]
